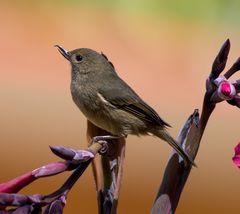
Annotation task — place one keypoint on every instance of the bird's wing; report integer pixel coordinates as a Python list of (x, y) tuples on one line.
[(123, 97)]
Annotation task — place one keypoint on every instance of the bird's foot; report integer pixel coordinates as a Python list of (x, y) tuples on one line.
[(103, 140)]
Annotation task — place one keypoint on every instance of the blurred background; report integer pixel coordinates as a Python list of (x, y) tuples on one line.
[(163, 49)]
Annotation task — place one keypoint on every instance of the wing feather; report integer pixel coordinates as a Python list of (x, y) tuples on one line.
[(123, 97)]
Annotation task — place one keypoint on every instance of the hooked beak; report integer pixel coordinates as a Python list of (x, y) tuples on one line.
[(64, 52)]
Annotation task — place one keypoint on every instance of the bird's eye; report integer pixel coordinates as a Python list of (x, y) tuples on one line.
[(78, 58)]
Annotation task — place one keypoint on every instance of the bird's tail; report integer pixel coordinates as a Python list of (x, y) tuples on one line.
[(164, 135)]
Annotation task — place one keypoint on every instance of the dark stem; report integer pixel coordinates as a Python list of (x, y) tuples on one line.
[(70, 181)]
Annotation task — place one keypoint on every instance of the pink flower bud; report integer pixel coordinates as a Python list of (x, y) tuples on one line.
[(226, 90), (236, 158), (50, 169)]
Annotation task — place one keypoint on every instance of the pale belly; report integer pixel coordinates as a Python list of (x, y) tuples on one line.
[(99, 115)]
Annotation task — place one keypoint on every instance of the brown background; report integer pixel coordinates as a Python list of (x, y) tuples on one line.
[(166, 59)]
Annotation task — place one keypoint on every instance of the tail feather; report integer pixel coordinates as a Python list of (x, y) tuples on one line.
[(164, 135)]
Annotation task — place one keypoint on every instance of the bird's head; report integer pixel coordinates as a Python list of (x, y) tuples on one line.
[(85, 60)]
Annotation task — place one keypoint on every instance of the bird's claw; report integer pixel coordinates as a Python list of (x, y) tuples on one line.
[(104, 146), (103, 141)]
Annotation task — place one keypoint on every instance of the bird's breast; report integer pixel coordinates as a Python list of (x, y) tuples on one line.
[(95, 108)]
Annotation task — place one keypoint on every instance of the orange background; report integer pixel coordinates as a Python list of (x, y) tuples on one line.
[(164, 56)]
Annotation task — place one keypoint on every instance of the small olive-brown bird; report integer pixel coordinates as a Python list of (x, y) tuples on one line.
[(109, 102)]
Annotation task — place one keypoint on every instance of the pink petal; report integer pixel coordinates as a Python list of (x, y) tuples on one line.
[(237, 149), (236, 158)]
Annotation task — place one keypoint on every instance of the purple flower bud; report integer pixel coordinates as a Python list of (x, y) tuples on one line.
[(63, 152), (50, 169), (236, 158), (83, 155), (77, 156), (220, 60)]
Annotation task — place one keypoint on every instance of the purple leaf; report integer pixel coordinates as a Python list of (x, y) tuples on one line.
[(236, 158)]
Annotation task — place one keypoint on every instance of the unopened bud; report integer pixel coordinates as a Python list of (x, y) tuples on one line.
[(236, 158), (50, 169), (226, 90)]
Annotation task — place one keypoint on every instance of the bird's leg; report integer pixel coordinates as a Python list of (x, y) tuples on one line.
[(103, 140)]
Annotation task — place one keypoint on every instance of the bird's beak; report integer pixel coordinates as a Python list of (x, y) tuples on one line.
[(64, 52)]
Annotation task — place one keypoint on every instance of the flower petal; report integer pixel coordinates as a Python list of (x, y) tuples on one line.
[(236, 158)]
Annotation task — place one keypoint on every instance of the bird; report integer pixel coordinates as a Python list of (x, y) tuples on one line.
[(109, 102)]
